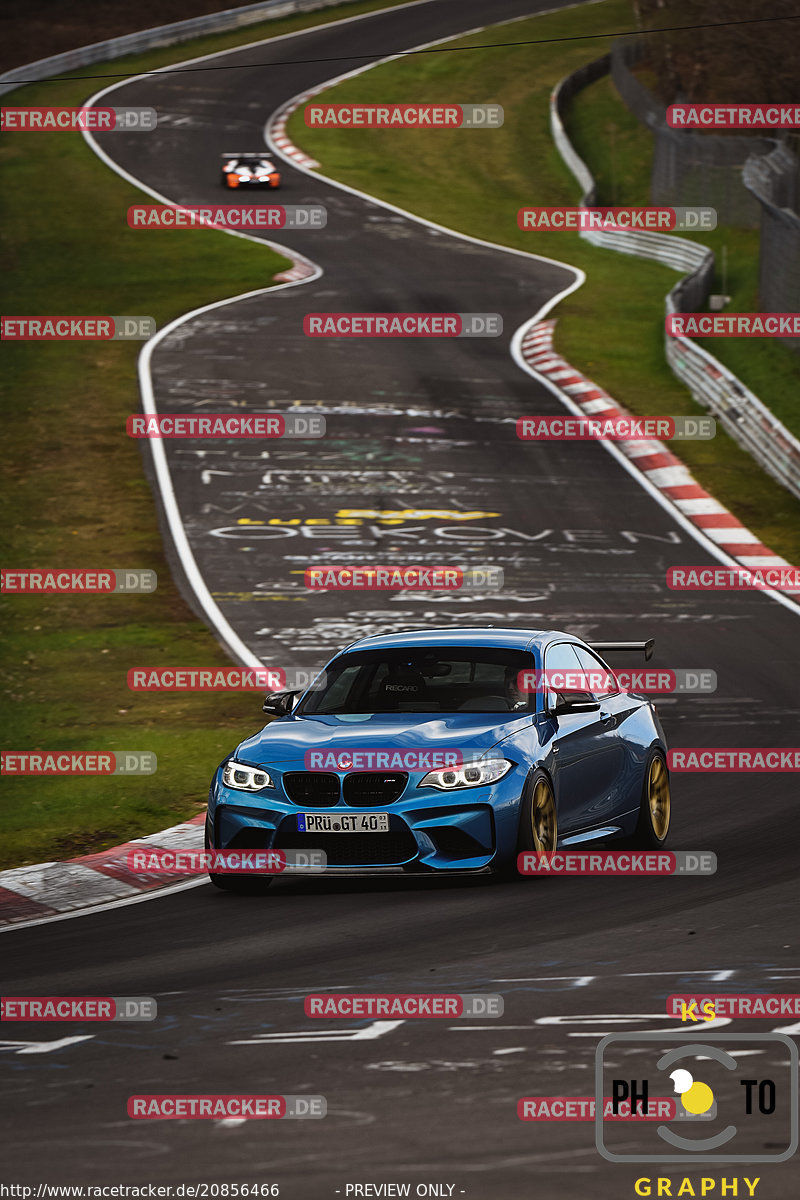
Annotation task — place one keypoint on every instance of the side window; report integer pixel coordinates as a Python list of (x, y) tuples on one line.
[(602, 679), (562, 668)]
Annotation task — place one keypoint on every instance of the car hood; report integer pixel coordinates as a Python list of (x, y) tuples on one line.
[(290, 737)]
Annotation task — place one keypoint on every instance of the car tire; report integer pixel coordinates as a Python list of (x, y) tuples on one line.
[(538, 822), (655, 809), (538, 818), (241, 885)]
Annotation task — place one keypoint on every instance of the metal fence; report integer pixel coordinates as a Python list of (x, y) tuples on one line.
[(774, 180), (690, 168), (738, 410), (159, 35)]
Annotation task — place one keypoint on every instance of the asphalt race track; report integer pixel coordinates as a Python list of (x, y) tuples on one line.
[(416, 428)]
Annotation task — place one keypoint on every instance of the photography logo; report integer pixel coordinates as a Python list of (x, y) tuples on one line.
[(736, 1096)]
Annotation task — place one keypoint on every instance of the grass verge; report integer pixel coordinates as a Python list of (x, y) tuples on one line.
[(76, 493)]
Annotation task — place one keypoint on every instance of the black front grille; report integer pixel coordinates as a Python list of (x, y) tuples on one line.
[(368, 789), (353, 849), (317, 789)]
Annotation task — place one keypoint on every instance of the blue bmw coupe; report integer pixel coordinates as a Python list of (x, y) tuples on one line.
[(425, 751)]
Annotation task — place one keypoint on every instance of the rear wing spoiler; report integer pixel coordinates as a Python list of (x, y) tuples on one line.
[(244, 154), (645, 648)]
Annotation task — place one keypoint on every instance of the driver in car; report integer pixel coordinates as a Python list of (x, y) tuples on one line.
[(518, 701)]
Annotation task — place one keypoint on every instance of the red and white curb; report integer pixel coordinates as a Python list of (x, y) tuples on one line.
[(280, 138), (663, 469), (301, 270), (52, 888)]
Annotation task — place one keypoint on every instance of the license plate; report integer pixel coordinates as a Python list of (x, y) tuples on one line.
[(343, 822)]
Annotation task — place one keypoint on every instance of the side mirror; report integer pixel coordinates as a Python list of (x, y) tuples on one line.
[(560, 703), (279, 704)]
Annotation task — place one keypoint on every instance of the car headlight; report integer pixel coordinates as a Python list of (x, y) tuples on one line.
[(488, 770), (244, 778)]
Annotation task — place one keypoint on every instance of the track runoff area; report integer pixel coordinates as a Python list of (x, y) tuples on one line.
[(579, 1034)]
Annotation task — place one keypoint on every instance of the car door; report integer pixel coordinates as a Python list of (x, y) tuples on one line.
[(614, 706), (587, 751)]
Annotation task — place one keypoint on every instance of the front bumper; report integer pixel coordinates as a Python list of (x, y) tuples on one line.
[(429, 830)]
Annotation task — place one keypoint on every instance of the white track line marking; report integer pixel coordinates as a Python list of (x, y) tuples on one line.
[(368, 1034)]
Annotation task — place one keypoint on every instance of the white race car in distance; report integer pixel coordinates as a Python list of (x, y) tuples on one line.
[(248, 170)]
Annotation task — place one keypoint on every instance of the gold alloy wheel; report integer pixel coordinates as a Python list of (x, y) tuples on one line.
[(543, 817), (658, 799)]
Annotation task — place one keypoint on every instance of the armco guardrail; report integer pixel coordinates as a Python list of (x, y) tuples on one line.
[(159, 35), (738, 410)]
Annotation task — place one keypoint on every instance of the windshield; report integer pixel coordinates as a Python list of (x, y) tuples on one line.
[(444, 679)]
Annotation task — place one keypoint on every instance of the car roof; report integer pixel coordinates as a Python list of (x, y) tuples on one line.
[(464, 635)]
